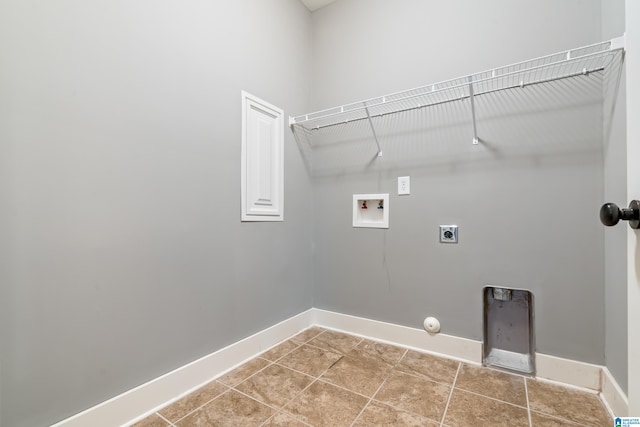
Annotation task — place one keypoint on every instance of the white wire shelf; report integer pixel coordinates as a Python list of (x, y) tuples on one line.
[(570, 63)]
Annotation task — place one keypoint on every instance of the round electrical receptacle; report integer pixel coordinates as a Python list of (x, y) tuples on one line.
[(432, 325)]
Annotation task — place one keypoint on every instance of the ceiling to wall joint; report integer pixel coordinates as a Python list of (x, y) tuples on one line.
[(313, 5)]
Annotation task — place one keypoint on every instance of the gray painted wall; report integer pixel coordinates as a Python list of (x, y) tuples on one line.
[(123, 256), (615, 189), (526, 201)]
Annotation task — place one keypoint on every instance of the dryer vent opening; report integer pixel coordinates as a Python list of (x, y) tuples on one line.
[(508, 330)]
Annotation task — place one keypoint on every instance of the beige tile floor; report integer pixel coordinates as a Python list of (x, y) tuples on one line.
[(326, 378)]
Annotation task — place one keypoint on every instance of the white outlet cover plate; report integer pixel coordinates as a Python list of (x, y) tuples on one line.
[(448, 234), (404, 185)]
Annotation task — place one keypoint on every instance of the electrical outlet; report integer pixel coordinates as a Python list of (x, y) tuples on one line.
[(448, 234), (404, 185)]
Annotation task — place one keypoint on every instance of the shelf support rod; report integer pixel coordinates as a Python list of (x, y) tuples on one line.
[(374, 131), (473, 111)]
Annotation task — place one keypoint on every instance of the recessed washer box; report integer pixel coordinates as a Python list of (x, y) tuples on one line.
[(371, 210)]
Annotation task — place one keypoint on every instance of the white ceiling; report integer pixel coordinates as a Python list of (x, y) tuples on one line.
[(316, 4)]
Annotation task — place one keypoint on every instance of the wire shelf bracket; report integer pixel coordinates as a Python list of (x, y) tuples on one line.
[(580, 61), (475, 140), (373, 130)]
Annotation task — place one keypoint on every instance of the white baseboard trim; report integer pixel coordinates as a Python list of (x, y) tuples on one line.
[(147, 398), (571, 372), (613, 396), (567, 371), (462, 349)]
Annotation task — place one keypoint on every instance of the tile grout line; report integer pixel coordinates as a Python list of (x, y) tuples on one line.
[(422, 376), (425, 378), (526, 393), (323, 372), (406, 351), (294, 397), (199, 407), (297, 371), (268, 405), (394, 370), (379, 387), (315, 379), (564, 420), (491, 398), (453, 385), (230, 387), (391, 370), (170, 423), (297, 346), (326, 349), (331, 350), (187, 395), (280, 411), (342, 388), (252, 375), (312, 338)]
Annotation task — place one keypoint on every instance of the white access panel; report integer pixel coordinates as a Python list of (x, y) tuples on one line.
[(262, 169)]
